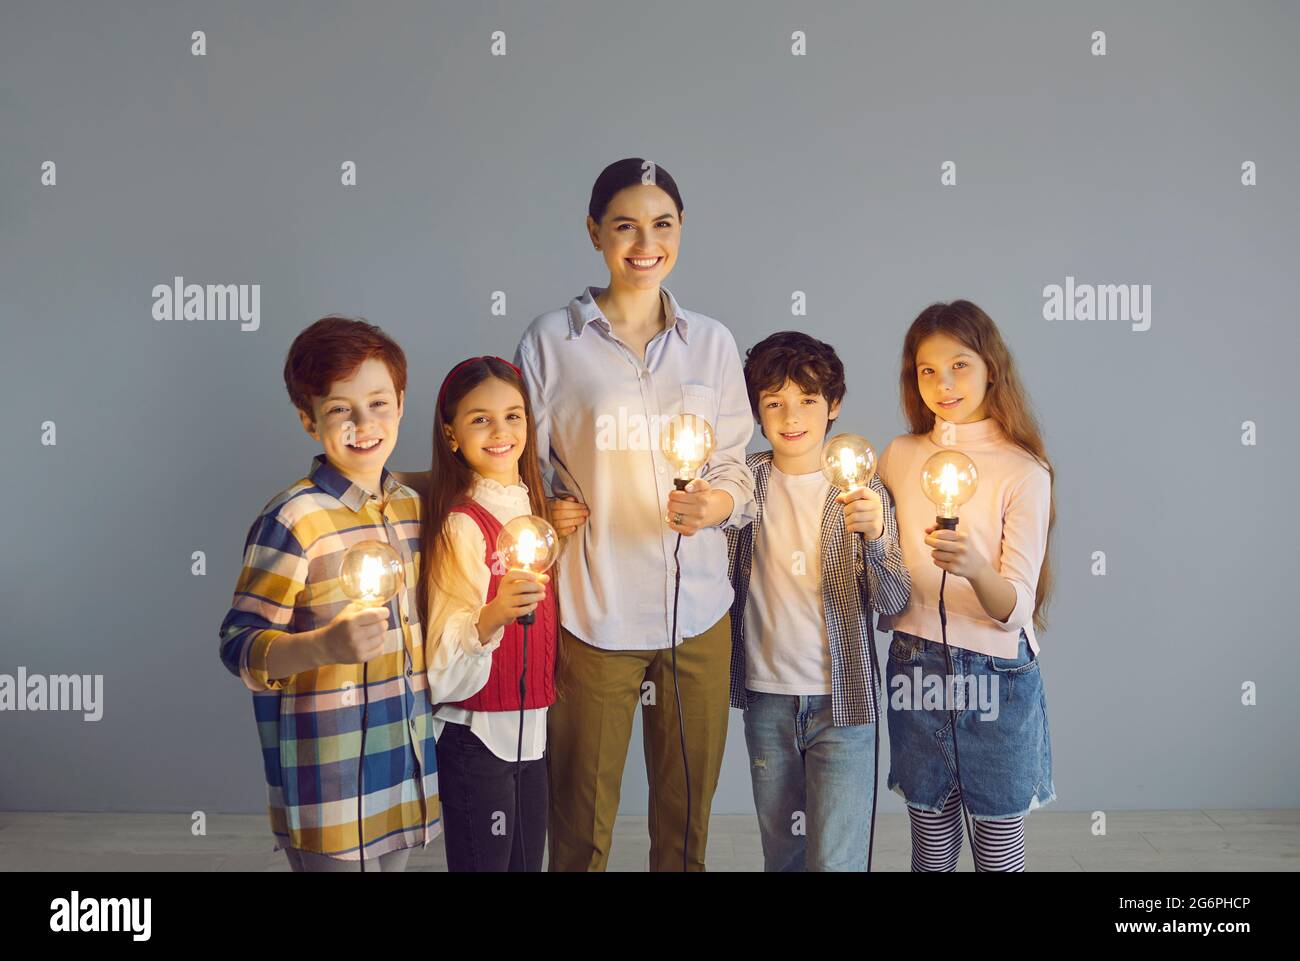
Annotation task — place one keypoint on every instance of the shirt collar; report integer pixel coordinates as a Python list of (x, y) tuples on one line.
[(949, 434), (496, 488), (583, 310), (352, 496)]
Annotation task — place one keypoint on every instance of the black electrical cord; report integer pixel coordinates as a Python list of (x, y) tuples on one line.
[(875, 677), (950, 523), (361, 763), (525, 620), (875, 786), (677, 696)]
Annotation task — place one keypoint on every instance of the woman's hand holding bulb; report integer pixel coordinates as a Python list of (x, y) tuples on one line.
[(698, 506)]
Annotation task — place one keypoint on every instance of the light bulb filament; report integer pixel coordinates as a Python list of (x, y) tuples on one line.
[(371, 577), (686, 445), (948, 485), (526, 549), (849, 466)]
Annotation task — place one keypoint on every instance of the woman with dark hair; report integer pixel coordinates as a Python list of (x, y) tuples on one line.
[(604, 373)]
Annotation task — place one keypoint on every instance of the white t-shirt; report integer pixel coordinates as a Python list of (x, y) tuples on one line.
[(786, 647)]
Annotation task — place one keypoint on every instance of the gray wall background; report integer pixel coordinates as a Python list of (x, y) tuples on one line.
[(816, 173)]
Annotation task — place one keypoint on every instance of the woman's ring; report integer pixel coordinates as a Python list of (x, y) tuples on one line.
[(677, 519)]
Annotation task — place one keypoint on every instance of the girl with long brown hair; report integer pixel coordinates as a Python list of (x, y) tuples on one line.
[(986, 749), (485, 474)]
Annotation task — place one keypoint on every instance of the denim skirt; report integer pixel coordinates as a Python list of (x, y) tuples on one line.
[(1003, 745)]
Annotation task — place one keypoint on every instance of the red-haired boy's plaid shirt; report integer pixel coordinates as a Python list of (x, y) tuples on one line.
[(310, 723)]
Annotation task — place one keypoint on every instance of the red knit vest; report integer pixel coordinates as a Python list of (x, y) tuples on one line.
[(501, 692)]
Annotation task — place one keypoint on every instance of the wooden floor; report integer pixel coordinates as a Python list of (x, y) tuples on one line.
[(1056, 841)]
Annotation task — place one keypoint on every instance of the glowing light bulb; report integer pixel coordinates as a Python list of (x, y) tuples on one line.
[(372, 573), (848, 461), (528, 543), (949, 479), (687, 441)]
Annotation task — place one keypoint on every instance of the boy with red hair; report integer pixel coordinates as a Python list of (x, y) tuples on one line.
[(322, 669)]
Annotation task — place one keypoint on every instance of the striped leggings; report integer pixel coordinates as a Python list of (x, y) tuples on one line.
[(936, 840)]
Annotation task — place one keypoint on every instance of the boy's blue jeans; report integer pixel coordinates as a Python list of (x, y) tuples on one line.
[(813, 783)]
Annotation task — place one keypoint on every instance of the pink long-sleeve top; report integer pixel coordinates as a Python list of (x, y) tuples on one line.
[(1006, 519)]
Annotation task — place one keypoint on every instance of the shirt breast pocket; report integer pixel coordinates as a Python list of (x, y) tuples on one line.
[(700, 400)]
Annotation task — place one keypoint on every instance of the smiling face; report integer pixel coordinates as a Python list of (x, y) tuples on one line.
[(952, 379), (357, 422), (638, 236), (490, 430), (795, 424)]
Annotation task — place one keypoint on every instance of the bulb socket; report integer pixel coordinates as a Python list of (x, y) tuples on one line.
[(946, 523), (681, 482)]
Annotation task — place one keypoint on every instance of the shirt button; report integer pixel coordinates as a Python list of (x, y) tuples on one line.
[(660, 468), (409, 672)]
